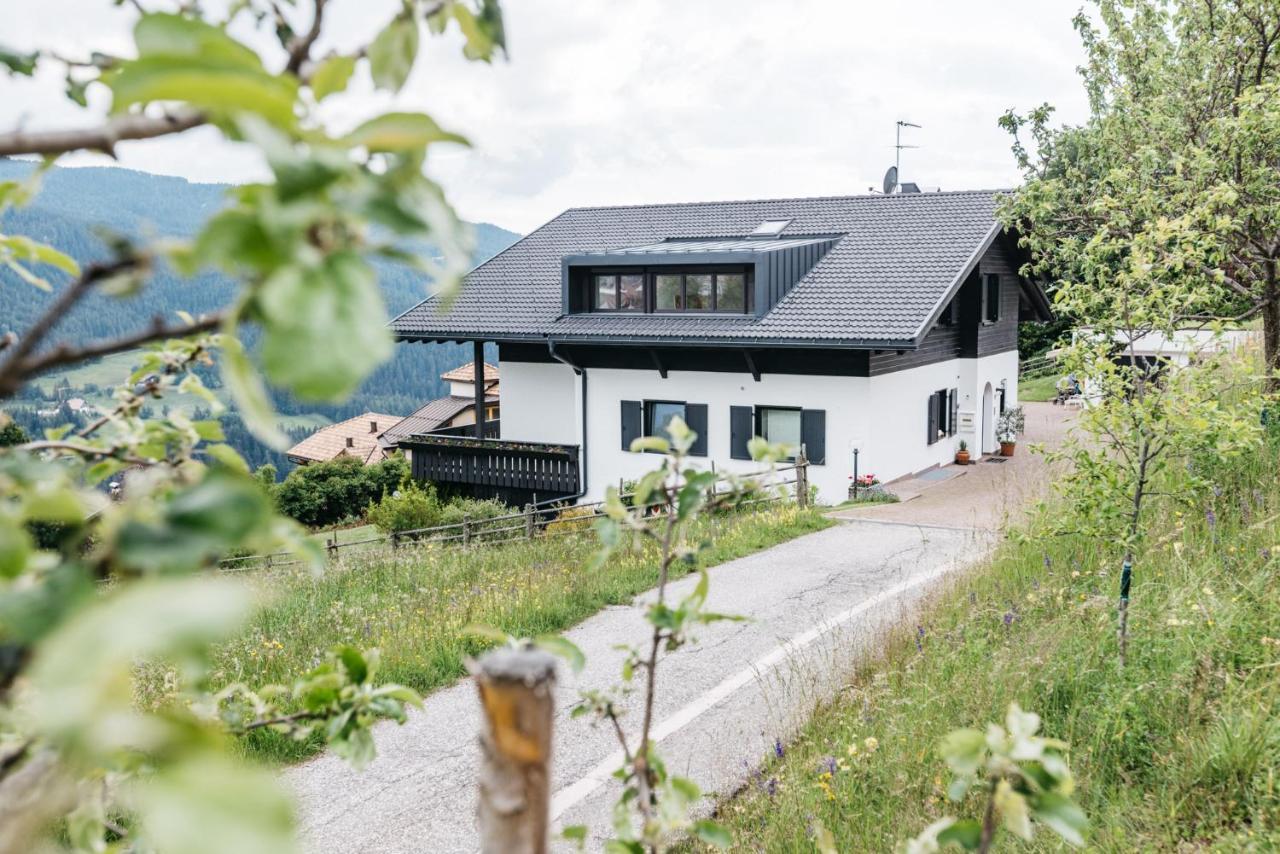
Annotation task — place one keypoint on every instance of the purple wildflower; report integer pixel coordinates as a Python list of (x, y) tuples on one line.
[(1258, 497), (778, 750), (1211, 518), (828, 764), (919, 637), (1048, 561), (1008, 619), (771, 786), (1217, 490), (1266, 554)]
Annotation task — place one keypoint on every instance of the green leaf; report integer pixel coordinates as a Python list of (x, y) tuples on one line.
[(206, 83), (82, 674), (712, 834), (1062, 816), (575, 833), (324, 327), (963, 750), (1012, 808), (209, 804), (332, 76), (564, 648), (228, 457), (15, 548), (18, 63), (967, 833), (650, 443), (392, 54), (163, 34), (400, 132), (489, 633), (250, 395), (353, 660)]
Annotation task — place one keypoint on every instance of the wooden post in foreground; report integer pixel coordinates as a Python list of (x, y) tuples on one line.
[(802, 480), (515, 746)]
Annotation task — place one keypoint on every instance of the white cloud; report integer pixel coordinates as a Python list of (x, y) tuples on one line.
[(635, 101)]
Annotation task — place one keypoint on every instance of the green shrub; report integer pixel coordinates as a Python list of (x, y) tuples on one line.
[(410, 507), (480, 513), (329, 492), (572, 519)]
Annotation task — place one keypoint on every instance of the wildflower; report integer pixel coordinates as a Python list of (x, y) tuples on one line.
[(871, 743), (1048, 562), (1211, 518), (1075, 573), (827, 766), (778, 750), (919, 637), (1008, 618), (1217, 491), (1206, 591), (771, 787), (853, 748)]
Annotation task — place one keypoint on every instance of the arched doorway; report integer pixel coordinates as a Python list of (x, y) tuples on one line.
[(988, 421)]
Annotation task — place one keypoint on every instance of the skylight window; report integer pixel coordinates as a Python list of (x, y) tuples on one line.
[(770, 228)]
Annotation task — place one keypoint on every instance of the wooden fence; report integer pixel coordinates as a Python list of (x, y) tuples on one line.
[(533, 520)]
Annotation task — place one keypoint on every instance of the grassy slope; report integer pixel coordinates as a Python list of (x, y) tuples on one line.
[(1178, 751), (414, 605), (1037, 389)]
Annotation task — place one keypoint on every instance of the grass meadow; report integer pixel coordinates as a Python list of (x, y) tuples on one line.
[(1178, 751), (413, 604)]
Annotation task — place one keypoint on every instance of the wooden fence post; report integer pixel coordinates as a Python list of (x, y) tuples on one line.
[(466, 530), (802, 480), (395, 540), (515, 746), (528, 521), (332, 546)]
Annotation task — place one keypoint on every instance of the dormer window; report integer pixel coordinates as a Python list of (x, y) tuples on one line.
[(618, 292)]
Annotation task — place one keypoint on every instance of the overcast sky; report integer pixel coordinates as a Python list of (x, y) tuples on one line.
[(631, 101)]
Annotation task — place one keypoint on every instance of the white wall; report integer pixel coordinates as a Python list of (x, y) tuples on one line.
[(843, 399), (885, 416), (540, 403), (897, 444)]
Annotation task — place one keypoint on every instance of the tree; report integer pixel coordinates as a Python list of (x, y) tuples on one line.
[(1182, 148), (80, 765), (11, 434)]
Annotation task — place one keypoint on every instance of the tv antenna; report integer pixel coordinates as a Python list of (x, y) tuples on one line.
[(898, 146)]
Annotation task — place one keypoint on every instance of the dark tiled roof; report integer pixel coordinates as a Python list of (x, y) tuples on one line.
[(898, 257), (430, 416)]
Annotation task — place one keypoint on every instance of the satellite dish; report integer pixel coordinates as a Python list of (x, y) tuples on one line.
[(891, 179)]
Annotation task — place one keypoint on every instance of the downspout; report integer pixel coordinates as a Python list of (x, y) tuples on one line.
[(582, 456)]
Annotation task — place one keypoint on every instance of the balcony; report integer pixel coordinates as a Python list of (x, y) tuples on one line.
[(513, 472)]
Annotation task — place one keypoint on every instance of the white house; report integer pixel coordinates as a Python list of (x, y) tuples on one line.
[(886, 323)]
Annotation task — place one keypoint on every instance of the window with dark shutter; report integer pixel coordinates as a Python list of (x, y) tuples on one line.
[(931, 425), (813, 435), (990, 298), (632, 422), (953, 411), (741, 427), (695, 415)]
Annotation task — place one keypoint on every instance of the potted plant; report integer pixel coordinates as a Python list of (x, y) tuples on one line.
[(962, 454), (1008, 426)]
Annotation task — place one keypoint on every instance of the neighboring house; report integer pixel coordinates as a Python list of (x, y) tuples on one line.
[(886, 323), (359, 437), (455, 413)]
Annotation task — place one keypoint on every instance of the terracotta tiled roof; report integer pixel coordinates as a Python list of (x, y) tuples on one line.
[(356, 437), (467, 373)]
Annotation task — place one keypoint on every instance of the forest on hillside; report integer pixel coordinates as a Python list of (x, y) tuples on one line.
[(81, 210)]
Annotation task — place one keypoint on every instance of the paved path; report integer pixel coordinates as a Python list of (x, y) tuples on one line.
[(987, 495), (816, 604)]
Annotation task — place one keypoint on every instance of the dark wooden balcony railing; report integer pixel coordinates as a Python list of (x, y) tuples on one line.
[(509, 470)]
